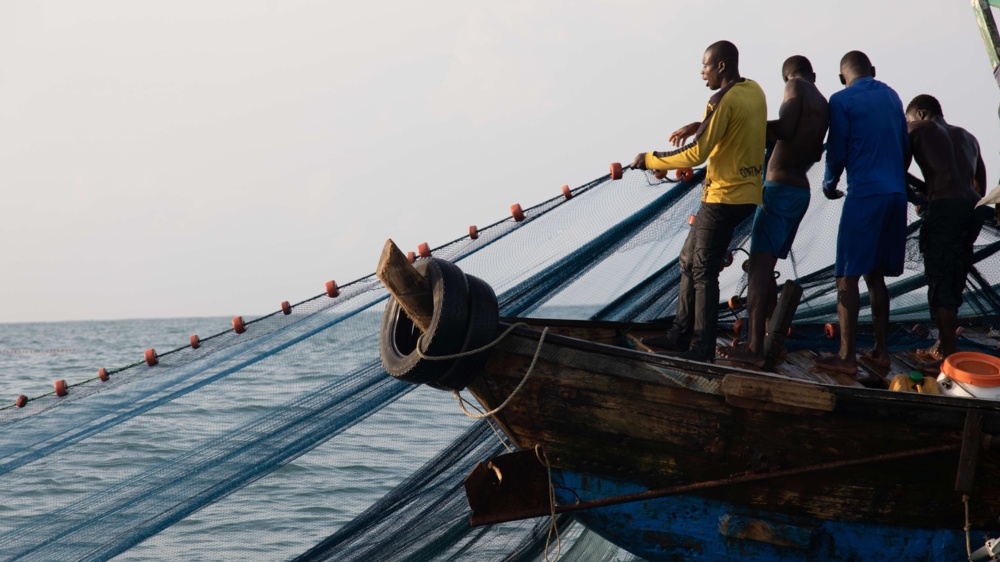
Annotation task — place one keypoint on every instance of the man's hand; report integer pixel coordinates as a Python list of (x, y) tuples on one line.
[(832, 193), (640, 162), (680, 136)]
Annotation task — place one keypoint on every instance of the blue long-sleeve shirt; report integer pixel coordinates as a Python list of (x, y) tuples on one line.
[(867, 136)]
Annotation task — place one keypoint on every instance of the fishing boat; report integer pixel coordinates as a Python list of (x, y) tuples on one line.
[(681, 460)]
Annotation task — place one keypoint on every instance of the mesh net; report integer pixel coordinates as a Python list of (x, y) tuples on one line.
[(299, 408)]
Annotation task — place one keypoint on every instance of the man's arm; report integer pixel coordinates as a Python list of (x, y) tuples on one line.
[(836, 148), (931, 149), (784, 126), (695, 153), (979, 181)]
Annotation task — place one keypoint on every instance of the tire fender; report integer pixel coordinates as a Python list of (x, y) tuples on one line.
[(445, 335)]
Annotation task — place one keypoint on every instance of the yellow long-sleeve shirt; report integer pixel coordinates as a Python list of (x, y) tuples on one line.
[(732, 138)]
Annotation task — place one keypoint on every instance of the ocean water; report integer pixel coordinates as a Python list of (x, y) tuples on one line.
[(34, 355), (274, 518)]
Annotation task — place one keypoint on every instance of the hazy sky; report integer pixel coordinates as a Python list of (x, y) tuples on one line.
[(215, 158)]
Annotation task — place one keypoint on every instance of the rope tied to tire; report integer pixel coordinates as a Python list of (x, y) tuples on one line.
[(520, 385)]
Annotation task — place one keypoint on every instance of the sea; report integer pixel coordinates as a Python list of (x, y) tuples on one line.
[(34, 355)]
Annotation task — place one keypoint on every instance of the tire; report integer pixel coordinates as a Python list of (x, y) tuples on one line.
[(484, 318), (447, 331)]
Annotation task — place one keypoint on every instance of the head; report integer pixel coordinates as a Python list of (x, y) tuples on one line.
[(854, 66), (720, 64), (798, 66), (923, 108)]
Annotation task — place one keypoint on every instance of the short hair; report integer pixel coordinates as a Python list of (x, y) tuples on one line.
[(856, 61), (927, 103), (797, 64), (726, 52)]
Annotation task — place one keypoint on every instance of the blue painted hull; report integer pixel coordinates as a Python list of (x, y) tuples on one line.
[(692, 528)]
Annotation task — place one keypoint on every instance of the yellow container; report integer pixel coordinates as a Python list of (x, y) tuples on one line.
[(905, 383)]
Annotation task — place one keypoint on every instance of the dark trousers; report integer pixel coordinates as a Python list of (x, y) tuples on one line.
[(700, 260)]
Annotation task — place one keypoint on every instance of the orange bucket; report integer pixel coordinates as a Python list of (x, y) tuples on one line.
[(972, 368)]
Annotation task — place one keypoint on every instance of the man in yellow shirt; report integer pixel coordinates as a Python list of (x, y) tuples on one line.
[(731, 136)]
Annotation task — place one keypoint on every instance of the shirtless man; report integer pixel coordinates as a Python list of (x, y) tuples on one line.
[(955, 180), (799, 130)]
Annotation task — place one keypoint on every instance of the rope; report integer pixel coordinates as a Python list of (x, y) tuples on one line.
[(968, 526), (474, 351), (538, 351), (553, 527)]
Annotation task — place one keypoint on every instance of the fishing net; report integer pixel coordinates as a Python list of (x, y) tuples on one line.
[(293, 441)]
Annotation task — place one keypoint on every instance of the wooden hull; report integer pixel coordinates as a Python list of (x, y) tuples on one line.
[(649, 421), (690, 527)]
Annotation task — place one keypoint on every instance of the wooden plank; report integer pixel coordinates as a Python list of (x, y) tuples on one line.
[(781, 321), (410, 289), (971, 438), (777, 395)]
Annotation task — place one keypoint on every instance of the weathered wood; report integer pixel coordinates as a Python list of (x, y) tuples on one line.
[(410, 289), (776, 395), (658, 421), (971, 439), (781, 321)]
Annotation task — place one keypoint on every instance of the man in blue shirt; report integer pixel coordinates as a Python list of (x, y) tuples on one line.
[(868, 138)]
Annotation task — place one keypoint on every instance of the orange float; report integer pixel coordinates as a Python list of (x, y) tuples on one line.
[(616, 171), (727, 260), (151, 357), (423, 250), (566, 192), (61, 388), (239, 326), (972, 368), (735, 302), (21, 401), (102, 374), (411, 257), (691, 220), (831, 330), (331, 289), (195, 341), (738, 327), (286, 308), (684, 174), (473, 232), (516, 212)]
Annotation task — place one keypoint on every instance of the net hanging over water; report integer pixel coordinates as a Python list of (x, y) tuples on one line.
[(289, 441)]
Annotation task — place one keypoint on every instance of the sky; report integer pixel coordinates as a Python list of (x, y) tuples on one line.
[(214, 158)]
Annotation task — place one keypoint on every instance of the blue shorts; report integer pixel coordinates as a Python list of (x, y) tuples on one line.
[(872, 236), (777, 220)]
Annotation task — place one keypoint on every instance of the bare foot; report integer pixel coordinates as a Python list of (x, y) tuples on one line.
[(880, 360), (741, 354), (932, 353), (834, 363)]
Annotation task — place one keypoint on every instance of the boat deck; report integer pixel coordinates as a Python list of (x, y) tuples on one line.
[(798, 363)]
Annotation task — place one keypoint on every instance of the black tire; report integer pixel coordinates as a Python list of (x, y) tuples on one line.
[(447, 331), (484, 318)]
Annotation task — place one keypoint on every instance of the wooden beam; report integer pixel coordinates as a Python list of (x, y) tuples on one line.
[(410, 289), (775, 395), (971, 437), (781, 320)]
